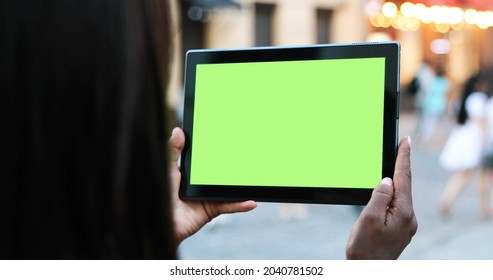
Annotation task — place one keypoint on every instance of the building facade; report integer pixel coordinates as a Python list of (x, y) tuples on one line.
[(248, 23)]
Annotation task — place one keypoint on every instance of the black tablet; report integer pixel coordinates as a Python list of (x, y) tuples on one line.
[(309, 124)]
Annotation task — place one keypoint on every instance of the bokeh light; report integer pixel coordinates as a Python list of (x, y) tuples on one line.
[(410, 16), (389, 9)]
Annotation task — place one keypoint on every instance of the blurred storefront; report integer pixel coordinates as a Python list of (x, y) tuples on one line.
[(454, 34), (248, 23)]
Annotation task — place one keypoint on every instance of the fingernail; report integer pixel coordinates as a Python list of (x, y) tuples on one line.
[(175, 130), (386, 181), (408, 140)]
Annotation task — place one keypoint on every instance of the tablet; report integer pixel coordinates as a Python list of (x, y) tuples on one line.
[(308, 124)]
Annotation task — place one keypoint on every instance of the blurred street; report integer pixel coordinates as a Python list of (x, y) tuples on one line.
[(322, 232)]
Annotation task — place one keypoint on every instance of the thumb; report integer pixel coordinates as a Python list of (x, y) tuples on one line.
[(177, 143)]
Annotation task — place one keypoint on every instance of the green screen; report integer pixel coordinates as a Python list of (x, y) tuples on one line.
[(314, 123)]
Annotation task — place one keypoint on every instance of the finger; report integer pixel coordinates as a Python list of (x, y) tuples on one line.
[(177, 143), (381, 198), (233, 207), (402, 172)]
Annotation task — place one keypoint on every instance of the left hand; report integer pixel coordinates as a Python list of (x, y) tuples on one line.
[(191, 215)]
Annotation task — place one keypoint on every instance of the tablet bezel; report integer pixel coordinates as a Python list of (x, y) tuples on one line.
[(329, 195)]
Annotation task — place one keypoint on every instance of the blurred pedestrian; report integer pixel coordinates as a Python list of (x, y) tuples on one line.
[(433, 107), (292, 211), (463, 151), (421, 86)]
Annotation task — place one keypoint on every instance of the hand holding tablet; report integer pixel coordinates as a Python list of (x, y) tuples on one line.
[(315, 124), (189, 216), (388, 223)]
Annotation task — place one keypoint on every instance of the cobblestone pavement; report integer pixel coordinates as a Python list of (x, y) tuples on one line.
[(321, 231)]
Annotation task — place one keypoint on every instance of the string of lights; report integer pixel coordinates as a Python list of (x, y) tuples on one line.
[(410, 16)]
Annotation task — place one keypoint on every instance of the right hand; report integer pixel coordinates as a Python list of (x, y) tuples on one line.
[(388, 223)]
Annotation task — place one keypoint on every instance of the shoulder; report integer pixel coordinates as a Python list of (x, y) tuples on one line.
[(477, 97), (476, 103)]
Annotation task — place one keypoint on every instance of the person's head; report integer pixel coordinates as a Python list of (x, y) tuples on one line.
[(440, 71), (84, 150), (481, 85)]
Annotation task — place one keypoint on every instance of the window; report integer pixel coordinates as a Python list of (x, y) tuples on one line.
[(324, 19), (263, 24)]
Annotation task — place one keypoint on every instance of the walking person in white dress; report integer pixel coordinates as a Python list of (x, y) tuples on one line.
[(463, 152)]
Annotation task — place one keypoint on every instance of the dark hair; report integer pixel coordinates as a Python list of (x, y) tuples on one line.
[(469, 87), (84, 154)]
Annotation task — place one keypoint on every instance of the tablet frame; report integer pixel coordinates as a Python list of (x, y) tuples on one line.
[(329, 195)]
